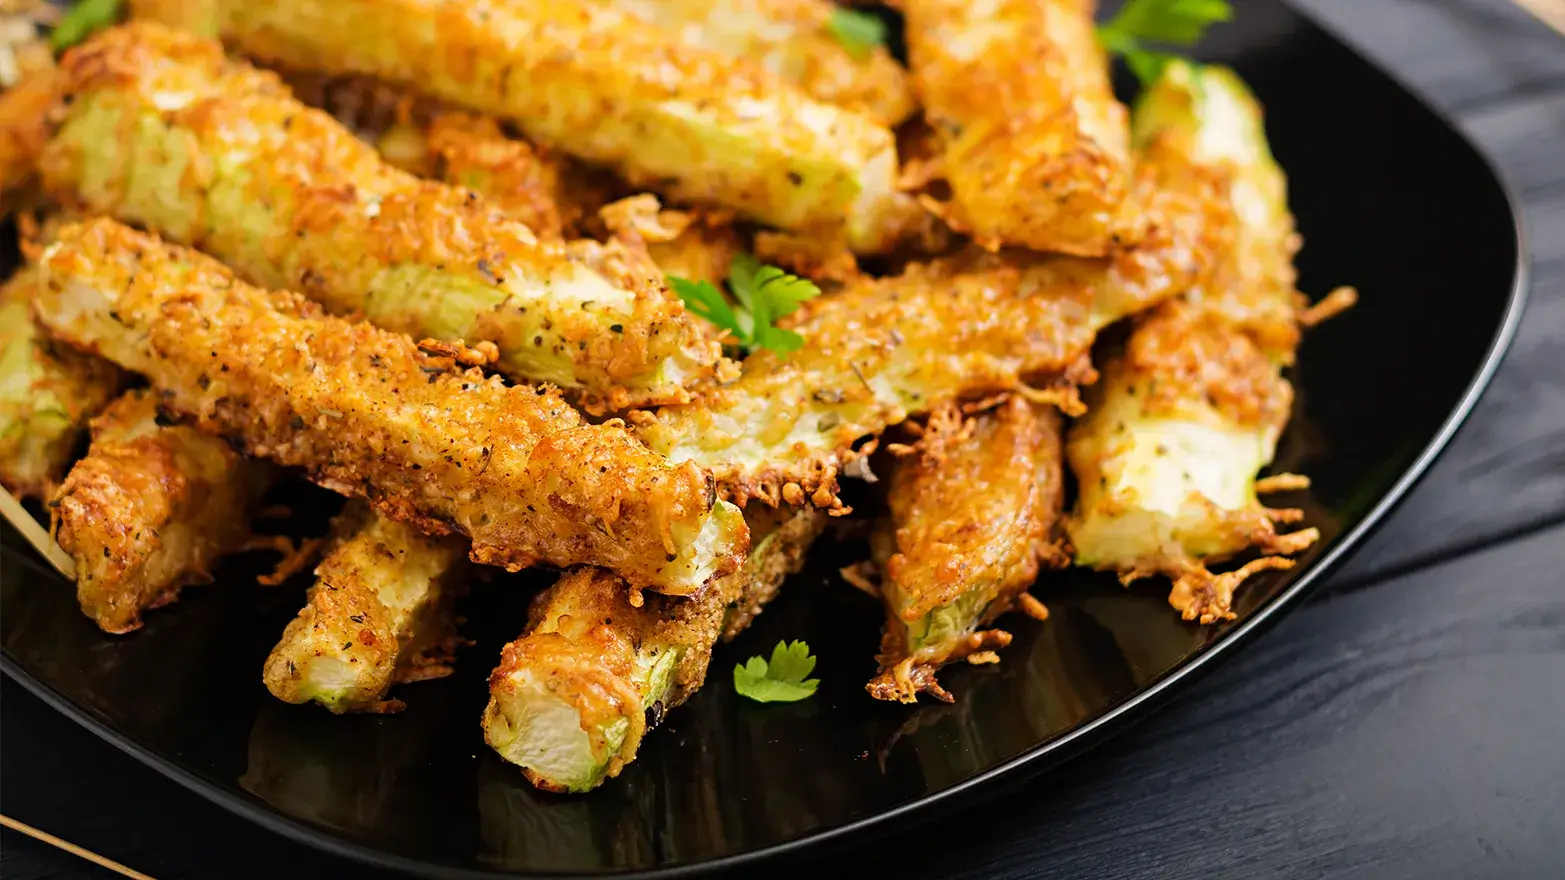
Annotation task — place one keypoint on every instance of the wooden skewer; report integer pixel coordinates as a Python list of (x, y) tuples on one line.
[(69, 847), (23, 521), (1550, 12)]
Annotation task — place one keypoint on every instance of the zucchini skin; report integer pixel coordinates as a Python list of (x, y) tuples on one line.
[(365, 413), (974, 514), (1042, 159), (162, 130), (1191, 410), (151, 508), (47, 394), (602, 671), (379, 613), (599, 84)]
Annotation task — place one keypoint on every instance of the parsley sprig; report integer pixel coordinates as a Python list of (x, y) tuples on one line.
[(82, 20), (858, 32), (765, 294), (1171, 22), (780, 680)]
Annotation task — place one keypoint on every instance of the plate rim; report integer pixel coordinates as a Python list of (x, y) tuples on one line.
[(1034, 760)]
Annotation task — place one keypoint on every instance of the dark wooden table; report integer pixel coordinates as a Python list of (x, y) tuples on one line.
[(1408, 722)]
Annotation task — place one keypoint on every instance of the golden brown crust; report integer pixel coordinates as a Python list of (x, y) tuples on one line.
[(883, 349), (293, 200), (591, 646), (1037, 148), (378, 614), (977, 507), (974, 512), (792, 39), (598, 83), (697, 245), (518, 178), (150, 509), (1195, 402), (24, 129), (365, 413), (1184, 352)]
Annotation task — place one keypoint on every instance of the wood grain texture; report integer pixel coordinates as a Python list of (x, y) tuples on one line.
[(1408, 730), (1501, 77), (1395, 727)]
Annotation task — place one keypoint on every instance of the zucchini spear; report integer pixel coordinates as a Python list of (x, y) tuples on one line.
[(1188, 414), (599, 84), (379, 614), (151, 508), (884, 349), (974, 511), (1036, 148), (162, 130), (572, 698), (47, 394), (365, 413)]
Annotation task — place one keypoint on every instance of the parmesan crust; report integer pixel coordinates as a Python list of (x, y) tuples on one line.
[(618, 667), (1191, 409), (884, 349), (974, 515), (151, 509), (365, 413), (1036, 147), (163, 131), (600, 84)]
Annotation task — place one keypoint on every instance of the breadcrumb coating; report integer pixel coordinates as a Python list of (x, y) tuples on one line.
[(162, 130), (598, 83), (378, 614), (884, 349), (615, 668), (151, 508), (1191, 409), (974, 513), (365, 413), (1036, 147), (793, 39)]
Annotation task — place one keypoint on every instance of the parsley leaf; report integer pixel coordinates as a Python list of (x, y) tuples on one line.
[(780, 681), (765, 294), (1178, 22), (82, 20), (858, 32)]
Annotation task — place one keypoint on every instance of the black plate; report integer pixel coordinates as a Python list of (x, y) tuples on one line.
[(1389, 198)]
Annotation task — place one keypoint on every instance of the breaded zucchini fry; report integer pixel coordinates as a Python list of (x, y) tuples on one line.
[(47, 394), (365, 413), (884, 349), (974, 511), (1036, 147), (572, 698), (793, 39), (163, 131), (379, 614), (597, 83), (1168, 454), (151, 508)]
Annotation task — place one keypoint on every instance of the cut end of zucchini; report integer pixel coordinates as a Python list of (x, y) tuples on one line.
[(543, 733)]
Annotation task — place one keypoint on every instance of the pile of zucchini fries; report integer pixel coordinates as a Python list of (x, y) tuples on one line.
[(416, 252)]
